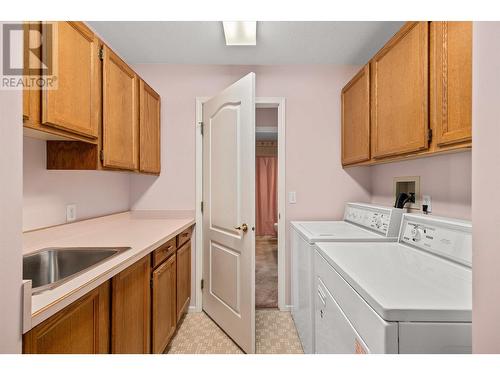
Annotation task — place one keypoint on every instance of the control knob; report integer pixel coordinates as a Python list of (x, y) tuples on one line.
[(416, 234)]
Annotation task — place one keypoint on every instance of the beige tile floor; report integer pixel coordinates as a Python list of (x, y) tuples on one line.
[(275, 333)]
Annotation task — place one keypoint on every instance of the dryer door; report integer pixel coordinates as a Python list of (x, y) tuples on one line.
[(334, 332)]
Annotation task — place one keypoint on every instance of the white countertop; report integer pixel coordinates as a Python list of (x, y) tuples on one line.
[(402, 283), (142, 231)]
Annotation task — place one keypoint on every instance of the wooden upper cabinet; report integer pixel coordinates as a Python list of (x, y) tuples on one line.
[(74, 105), (451, 82), (32, 109), (356, 118), (130, 316), (120, 113), (149, 125), (26, 64), (183, 279), (163, 312), (80, 328), (399, 96)]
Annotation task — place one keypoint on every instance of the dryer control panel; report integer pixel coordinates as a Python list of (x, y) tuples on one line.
[(383, 220), (444, 237)]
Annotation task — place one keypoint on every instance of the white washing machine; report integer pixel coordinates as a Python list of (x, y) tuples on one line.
[(362, 223), (412, 296)]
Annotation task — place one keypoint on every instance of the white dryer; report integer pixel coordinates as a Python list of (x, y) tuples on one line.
[(412, 296), (362, 223)]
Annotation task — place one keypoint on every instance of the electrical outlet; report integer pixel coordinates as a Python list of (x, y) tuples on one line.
[(426, 200), (292, 197), (70, 212)]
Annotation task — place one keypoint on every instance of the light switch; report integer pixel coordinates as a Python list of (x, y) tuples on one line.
[(70, 212), (292, 197)]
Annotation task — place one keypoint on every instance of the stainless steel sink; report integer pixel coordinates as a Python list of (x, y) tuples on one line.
[(48, 268)]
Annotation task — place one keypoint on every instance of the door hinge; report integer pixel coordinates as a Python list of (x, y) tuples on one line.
[(201, 127), (202, 284), (101, 155), (201, 206), (429, 135), (101, 54), (151, 283)]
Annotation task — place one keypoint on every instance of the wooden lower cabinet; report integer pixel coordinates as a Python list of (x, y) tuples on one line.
[(163, 309), (80, 328), (130, 302), (183, 279), (136, 312)]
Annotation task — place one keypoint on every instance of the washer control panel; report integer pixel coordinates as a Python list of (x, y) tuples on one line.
[(377, 220), (442, 239)]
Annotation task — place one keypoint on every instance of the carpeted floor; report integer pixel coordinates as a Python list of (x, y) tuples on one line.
[(266, 272), (275, 333)]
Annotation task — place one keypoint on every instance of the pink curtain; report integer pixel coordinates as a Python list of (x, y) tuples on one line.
[(266, 180)]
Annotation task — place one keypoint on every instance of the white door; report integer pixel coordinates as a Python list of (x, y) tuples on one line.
[(229, 211)]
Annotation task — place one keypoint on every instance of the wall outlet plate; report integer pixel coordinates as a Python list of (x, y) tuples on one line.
[(70, 212), (426, 200)]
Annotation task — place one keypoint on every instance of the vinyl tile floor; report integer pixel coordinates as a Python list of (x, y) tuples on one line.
[(275, 333)]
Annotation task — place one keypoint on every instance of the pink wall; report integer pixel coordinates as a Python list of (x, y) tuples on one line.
[(11, 182), (312, 136), (46, 193), (486, 188), (446, 178)]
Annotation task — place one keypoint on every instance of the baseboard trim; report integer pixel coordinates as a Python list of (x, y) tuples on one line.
[(193, 309), (286, 308)]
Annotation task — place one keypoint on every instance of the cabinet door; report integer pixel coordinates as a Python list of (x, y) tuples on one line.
[(26, 64), (356, 118), (399, 97), (130, 315), (31, 95), (451, 82), (74, 105), (164, 318), (183, 278), (80, 328), (120, 113), (149, 125)]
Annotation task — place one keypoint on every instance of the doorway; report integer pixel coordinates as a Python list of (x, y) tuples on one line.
[(266, 207), (260, 102)]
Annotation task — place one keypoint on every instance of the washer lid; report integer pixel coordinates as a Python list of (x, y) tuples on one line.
[(341, 231), (402, 283)]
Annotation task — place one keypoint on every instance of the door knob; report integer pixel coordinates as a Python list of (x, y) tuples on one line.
[(242, 227)]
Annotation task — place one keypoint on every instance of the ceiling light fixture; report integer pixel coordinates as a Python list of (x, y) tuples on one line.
[(240, 33)]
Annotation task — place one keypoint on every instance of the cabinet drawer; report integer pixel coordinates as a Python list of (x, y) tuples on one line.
[(184, 237), (164, 251)]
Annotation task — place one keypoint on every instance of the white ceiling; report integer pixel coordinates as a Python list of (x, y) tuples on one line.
[(196, 42)]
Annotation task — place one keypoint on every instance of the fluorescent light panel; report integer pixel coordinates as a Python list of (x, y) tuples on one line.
[(240, 33)]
